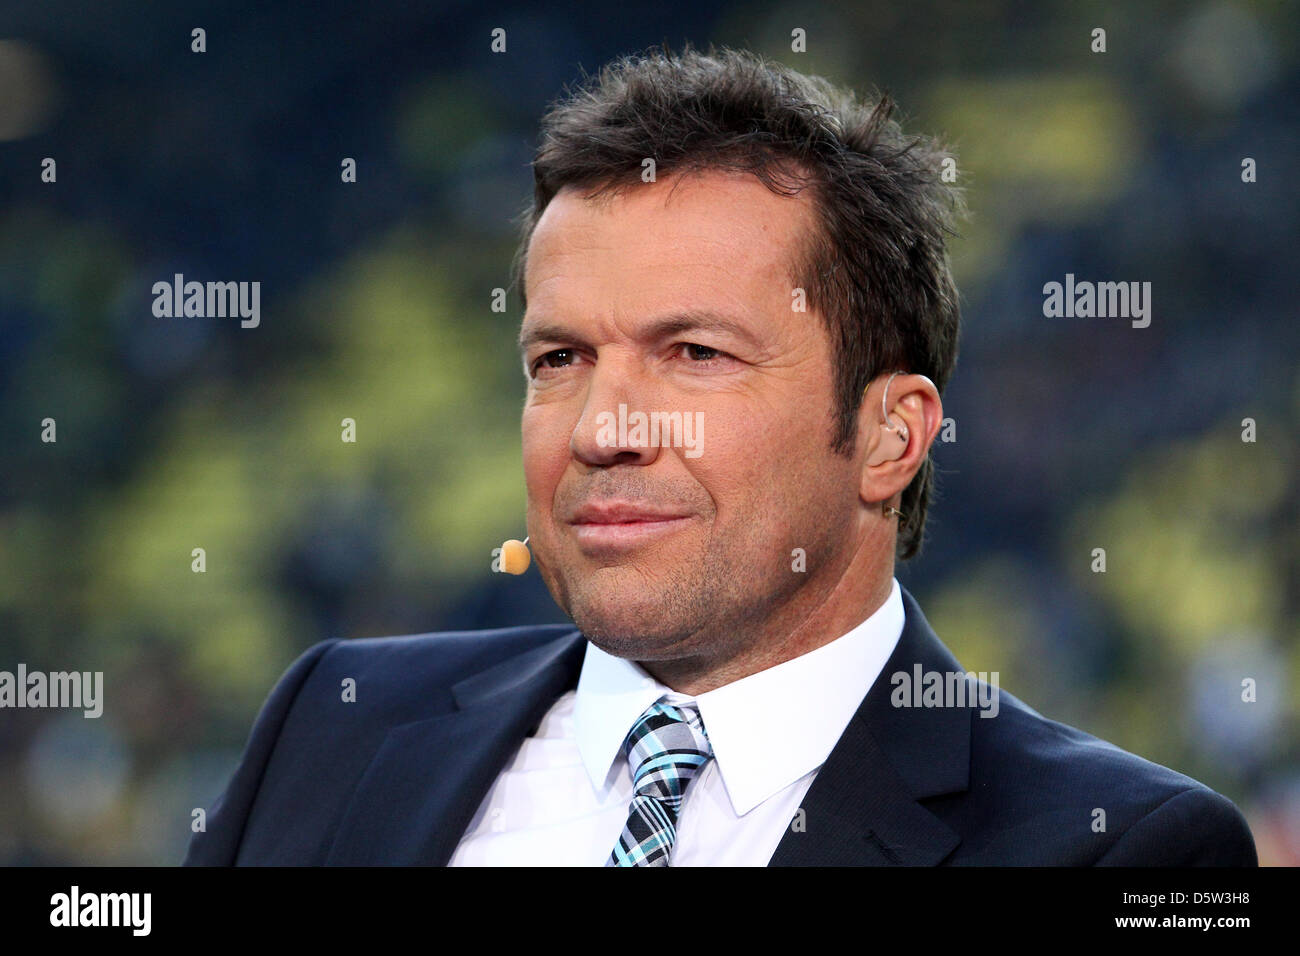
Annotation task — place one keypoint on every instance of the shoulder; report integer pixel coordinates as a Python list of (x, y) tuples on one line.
[(440, 648), (416, 669), (1061, 794), (324, 722)]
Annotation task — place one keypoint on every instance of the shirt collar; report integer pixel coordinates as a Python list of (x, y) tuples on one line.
[(767, 730)]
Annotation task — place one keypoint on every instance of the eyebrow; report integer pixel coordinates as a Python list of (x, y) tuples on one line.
[(690, 320)]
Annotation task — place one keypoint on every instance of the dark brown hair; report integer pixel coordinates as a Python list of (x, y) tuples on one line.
[(877, 266)]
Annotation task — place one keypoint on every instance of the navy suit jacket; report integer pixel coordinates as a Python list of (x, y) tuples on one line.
[(396, 776)]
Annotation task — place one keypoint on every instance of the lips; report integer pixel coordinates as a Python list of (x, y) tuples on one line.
[(620, 513), (619, 526)]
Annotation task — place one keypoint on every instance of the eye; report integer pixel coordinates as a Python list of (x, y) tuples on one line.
[(550, 358), (703, 354), (562, 358)]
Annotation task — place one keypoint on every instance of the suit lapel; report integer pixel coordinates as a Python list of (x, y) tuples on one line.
[(428, 778), (863, 808)]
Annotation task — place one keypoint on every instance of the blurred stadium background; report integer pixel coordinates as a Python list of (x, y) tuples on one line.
[(174, 434)]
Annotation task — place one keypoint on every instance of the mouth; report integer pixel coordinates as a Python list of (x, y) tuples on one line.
[(613, 536)]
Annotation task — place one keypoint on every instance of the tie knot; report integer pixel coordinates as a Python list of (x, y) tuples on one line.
[(665, 748)]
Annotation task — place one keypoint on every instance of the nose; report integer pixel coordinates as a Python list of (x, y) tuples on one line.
[(606, 434)]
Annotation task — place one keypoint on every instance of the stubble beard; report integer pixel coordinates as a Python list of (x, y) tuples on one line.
[(700, 608)]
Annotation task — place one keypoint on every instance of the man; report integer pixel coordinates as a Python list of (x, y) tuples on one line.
[(720, 239)]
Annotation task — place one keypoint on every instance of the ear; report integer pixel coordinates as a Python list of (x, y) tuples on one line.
[(889, 460)]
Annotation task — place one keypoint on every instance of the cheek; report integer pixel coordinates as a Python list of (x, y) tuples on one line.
[(545, 449), (757, 441), (766, 469), (744, 459)]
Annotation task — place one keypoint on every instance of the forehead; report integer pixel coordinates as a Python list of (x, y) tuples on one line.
[(715, 233)]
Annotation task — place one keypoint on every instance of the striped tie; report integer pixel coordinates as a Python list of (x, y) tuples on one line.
[(665, 748)]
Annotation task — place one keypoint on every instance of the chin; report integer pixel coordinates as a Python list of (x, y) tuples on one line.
[(622, 620), (616, 613), (635, 647)]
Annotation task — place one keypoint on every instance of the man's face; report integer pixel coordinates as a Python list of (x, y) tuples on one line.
[(610, 284)]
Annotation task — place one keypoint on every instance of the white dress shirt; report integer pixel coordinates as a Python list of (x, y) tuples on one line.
[(563, 798)]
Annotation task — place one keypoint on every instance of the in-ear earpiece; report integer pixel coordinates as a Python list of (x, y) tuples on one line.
[(515, 556), (894, 442)]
